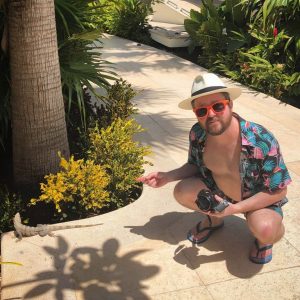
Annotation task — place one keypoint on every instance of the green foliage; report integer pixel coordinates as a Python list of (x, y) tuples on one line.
[(10, 204), (127, 19), (114, 148), (81, 65), (252, 41), (80, 61), (79, 187), (217, 29), (79, 52), (117, 103)]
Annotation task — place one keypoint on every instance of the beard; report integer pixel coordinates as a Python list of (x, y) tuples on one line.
[(215, 126)]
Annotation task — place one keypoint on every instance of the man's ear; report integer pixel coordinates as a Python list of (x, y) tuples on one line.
[(230, 103)]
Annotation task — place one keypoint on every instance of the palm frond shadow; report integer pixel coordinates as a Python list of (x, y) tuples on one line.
[(96, 273)]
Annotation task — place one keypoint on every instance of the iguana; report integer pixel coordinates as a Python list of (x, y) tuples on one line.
[(41, 229)]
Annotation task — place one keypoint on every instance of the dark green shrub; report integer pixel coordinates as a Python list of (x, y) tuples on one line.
[(128, 19), (217, 29), (116, 104), (10, 204), (114, 148)]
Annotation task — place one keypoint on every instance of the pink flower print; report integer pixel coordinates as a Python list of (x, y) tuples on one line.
[(267, 182), (258, 154), (277, 169), (245, 141), (193, 136), (273, 151)]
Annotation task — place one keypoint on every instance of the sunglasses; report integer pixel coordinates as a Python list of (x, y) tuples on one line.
[(218, 108)]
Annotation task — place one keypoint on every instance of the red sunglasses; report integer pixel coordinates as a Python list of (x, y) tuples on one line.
[(218, 108)]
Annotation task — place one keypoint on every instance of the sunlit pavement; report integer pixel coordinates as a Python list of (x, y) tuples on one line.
[(141, 251)]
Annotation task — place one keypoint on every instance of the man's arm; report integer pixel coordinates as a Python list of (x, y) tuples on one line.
[(255, 202), (158, 179), (260, 200), (185, 171)]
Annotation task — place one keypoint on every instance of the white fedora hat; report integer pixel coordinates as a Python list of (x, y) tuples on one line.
[(207, 84)]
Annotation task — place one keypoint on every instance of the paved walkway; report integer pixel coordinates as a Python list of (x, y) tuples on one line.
[(140, 251)]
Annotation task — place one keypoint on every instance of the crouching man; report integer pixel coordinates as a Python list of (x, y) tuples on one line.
[(234, 166)]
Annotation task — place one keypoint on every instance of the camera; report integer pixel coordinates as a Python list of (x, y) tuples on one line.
[(206, 201)]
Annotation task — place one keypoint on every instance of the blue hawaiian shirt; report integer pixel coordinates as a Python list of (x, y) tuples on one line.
[(261, 163)]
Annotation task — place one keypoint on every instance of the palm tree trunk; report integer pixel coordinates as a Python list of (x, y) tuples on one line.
[(38, 116)]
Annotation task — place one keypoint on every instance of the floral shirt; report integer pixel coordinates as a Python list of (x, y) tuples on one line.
[(261, 164)]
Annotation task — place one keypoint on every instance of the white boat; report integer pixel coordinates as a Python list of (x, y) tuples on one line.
[(167, 23)]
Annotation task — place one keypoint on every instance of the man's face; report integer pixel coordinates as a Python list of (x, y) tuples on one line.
[(215, 123)]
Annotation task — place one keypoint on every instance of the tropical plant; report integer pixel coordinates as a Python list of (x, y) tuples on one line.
[(128, 19), (10, 204), (78, 188), (116, 103), (82, 66), (123, 158), (79, 52), (255, 42), (217, 29)]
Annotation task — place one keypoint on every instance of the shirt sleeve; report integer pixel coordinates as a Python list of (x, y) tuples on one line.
[(274, 171), (192, 149)]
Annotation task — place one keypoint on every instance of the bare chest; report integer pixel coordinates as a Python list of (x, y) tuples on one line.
[(222, 160), (224, 163)]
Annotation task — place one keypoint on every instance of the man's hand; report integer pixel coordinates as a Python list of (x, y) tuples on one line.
[(228, 211), (155, 179)]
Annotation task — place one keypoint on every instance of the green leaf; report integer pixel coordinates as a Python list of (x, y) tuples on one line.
[(196, 16)]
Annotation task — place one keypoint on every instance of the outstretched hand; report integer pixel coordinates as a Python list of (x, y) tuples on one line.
[(155, 179)]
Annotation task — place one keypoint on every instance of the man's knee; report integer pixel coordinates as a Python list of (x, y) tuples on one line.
[(187, 189), (266, 228), (180, 192)]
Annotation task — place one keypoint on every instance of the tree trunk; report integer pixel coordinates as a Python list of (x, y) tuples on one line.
[(38, 116)]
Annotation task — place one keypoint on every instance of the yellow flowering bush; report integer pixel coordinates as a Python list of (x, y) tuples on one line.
[(123, 158), (80, 184)]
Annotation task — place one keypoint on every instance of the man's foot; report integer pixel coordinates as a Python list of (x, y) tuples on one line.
[(203, 230), (261, 254)]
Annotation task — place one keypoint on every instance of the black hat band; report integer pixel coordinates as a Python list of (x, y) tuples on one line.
[(208, 89)]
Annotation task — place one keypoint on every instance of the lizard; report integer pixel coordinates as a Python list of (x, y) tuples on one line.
[(41, 229)]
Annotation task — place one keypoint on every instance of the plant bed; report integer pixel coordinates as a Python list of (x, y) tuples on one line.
[(100, 175)]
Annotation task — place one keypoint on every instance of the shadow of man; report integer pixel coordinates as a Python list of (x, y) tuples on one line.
[(230, 244)]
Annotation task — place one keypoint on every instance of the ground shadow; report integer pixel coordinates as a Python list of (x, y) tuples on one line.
[(230, 244), (95, 273)]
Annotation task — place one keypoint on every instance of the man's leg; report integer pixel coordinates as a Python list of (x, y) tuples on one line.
[(185, 193), (266, 226)]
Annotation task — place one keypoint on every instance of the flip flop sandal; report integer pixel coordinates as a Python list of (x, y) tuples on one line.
[(191, 237), (261, 260)]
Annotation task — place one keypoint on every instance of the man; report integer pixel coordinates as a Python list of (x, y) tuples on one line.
[(236, 160)]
